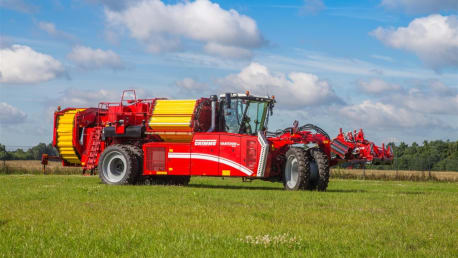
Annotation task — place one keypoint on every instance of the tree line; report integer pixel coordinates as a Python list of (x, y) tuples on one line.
[(433, 155), (33, 153)]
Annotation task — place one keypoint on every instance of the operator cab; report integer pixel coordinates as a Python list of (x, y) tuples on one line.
[(244, 113)]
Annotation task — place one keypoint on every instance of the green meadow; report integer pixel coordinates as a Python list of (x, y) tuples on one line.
[(69, 216)]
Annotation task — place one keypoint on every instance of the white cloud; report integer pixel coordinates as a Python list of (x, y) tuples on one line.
[(378, 114), (190, 88), (431, 106), (162, 27), (437, 98), (21, 64), (421, 6), (312, 7), (434, 39), (86, 98), (11, 115), (72, 97), (5, 41), (88, 58), (293, 90), (115, 4), (51, 29), (227, 51), (377, 86), (18, 5), (383, 58), (48, 27), (191, 84), (319, 62)]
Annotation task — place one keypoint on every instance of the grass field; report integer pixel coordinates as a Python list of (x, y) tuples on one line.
[(78, 216), (56, 168)]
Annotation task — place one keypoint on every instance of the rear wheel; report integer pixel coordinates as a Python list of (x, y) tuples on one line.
[(297, 170), (118, 165), (138, 152), (319, 169)]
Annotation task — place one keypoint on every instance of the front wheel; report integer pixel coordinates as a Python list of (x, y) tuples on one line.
[(118, 165), (297, 170)]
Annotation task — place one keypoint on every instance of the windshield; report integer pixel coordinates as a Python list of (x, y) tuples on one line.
[(245, 116)]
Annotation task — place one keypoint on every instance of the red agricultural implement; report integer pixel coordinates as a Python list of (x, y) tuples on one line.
[(168, 141)]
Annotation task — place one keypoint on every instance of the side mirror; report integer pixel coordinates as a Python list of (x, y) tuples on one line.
[(228, 100)]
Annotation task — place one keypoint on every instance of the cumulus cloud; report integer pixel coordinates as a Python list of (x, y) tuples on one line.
[(437, 98), (433, 105), (294, 89), (421, 6), (162, 27), (11, 115), (88, 58), (21, 64), (434, 39), (378, 114), (377, 86)]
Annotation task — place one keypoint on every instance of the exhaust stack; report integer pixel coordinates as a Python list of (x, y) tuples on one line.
[(213, 121)]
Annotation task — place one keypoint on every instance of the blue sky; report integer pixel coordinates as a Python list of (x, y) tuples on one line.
[(388, 66)]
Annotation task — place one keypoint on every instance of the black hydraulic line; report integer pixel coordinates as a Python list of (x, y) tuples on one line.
[(302, 128)]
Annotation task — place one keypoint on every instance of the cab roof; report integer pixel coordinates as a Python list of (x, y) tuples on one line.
[(249, 97)]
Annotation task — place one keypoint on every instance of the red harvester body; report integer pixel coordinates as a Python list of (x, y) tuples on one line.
[(167, 141)]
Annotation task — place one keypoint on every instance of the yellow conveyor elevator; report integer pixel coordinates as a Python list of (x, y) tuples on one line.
[(64, 136)]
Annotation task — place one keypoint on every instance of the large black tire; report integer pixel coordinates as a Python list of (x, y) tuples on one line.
[(183, 180), (169, 180), (296, 174), (138, 152), (118, 165), (320, 161)]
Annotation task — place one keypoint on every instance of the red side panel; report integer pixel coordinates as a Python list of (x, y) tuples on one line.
[(229, 159), (166, 158), (209, 154), (205, 154), (182, 164)]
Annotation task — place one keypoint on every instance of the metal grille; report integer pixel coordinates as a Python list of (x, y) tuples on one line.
[(155, 158), (251, 154)]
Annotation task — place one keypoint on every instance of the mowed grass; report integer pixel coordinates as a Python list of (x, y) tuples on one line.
[(51, 215)]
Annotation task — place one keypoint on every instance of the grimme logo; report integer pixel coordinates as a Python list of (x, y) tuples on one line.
[(205, 143)]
